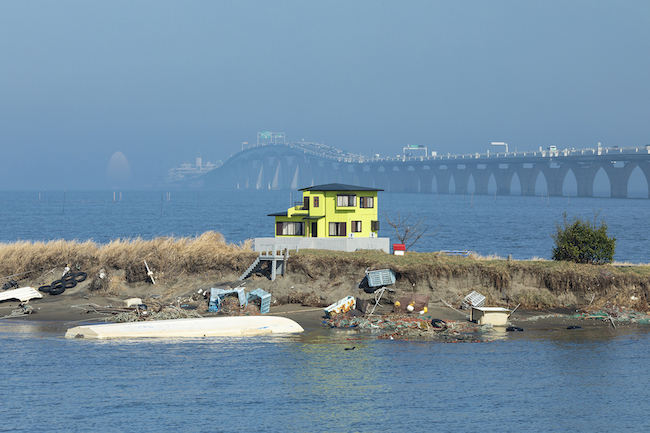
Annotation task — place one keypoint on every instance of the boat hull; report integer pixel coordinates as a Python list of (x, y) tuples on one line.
[(237, 326)]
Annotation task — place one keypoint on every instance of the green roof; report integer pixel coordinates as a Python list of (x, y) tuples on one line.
[(339, 187), (285, 213)]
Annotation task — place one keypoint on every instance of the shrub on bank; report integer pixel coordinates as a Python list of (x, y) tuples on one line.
[(582, 241)]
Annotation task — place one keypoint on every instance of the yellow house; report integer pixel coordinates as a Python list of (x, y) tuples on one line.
[(333, 210)]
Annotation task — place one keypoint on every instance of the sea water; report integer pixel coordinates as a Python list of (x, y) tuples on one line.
[(551, 379), (537, 380), (504, 225)]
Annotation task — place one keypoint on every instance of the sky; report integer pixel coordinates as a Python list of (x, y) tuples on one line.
[(160, 81)]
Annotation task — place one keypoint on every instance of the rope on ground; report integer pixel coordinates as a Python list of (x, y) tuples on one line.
[(16, 275), (449, 305)]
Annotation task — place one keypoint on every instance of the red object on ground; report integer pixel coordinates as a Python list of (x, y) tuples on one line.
[(399, 247)]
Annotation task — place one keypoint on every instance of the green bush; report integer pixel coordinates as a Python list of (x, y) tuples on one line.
[(582, 241)]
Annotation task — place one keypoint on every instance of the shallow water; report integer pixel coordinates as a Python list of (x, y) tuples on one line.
[(538, 380)]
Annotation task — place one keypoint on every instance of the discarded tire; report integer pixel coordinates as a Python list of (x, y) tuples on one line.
[(80, 276), (57, 287), (438, 323), (44, 289), (69, 283)]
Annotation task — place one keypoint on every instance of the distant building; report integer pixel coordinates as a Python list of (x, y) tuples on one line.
[(189, 171)]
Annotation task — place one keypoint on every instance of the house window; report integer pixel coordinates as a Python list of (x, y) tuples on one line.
[(305, 203), (315, 201), (355, 226), (366, 202), (289, 229), (337, 229), (374, 226), (346, 200)]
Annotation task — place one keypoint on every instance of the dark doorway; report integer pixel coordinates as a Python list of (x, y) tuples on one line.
[(314, 230)]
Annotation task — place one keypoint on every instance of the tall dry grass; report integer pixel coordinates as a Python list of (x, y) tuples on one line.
[(165, 255)]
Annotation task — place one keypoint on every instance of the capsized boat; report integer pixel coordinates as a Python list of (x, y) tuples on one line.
[(23, 294), (232, 326)]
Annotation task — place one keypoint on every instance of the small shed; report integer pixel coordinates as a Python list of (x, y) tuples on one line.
[(496, 316)]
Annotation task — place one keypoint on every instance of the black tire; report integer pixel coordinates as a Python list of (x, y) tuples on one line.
[(57, 287), (69, 284), (437, 323), (44, 289), (80, 276)]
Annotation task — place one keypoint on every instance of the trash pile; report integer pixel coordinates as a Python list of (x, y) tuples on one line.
[(11, 284), (138, 312), (23, 310), (409, 327), (615, 314), (611, 315), (235, 302), (223, 302), (166, 313), (230, 306)]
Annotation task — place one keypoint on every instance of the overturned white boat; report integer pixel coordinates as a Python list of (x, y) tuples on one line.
[(22, 294), (236, 326)]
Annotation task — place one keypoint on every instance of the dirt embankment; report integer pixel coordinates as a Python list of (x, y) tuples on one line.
[(183, 266), (533, 284)]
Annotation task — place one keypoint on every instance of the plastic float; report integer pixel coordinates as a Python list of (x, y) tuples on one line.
[(343, 306), (236, 326)]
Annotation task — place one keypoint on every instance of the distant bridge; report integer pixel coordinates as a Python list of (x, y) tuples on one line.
[(297, 165)]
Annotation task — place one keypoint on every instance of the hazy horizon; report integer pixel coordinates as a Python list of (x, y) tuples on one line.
[(162, 81)]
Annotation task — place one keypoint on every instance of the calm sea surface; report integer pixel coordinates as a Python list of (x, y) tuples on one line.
[(516, 225), (539, 380)]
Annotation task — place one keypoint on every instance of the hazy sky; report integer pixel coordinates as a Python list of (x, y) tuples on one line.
[(160, 81)]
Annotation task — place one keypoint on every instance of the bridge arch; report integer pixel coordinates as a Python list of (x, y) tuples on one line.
[(515, 185), (570, 184), (290, 166), (601, 184), (638, 184)]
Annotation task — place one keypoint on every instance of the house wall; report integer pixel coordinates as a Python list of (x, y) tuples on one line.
[(330, 212), (334, 243)]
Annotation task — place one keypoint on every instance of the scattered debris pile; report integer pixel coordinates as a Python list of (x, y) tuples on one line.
[(139, 312), (615, 314), (409, 327), (101, 282), (22, 311), (230, 306)]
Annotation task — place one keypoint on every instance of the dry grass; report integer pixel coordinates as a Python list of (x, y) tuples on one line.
[(165, 255), (536, 283)]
